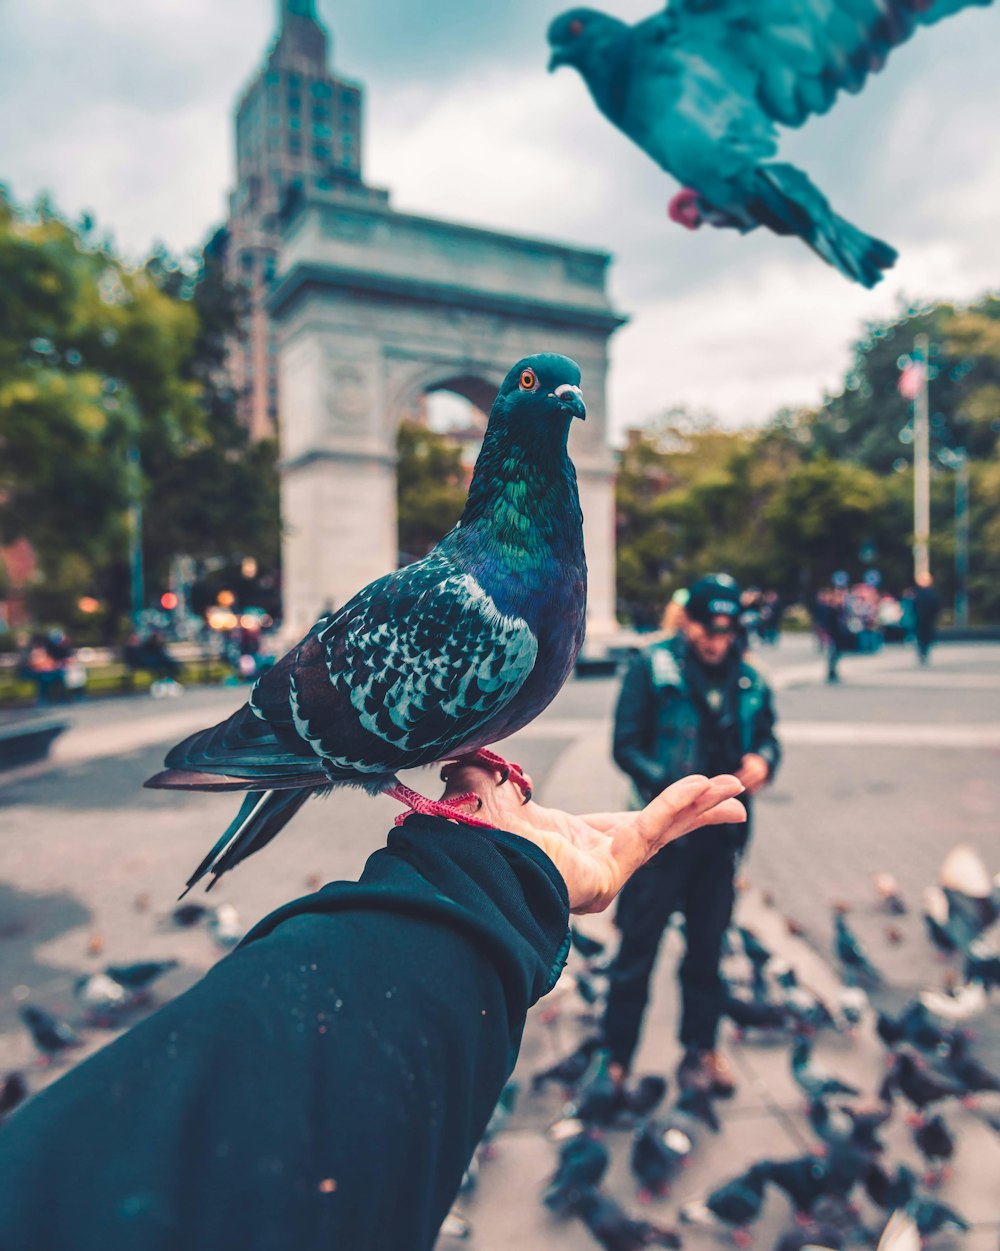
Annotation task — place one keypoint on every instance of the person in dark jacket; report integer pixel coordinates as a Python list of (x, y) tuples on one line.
[(326, 1084), (926, 607), (689, 703)]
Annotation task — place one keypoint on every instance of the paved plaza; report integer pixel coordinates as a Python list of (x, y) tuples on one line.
[(885, 772)]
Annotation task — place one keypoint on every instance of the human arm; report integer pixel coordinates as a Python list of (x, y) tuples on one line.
[(633, 731), (326, 1084), (760, 764)]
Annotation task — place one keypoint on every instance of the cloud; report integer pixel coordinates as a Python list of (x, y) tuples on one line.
[(125, 109)]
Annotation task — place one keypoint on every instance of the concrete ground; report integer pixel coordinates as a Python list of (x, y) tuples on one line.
[(885, 772)]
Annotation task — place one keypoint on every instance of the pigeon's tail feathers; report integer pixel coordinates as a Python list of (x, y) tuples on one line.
[(789, 203), (241, 753), (262, 815)]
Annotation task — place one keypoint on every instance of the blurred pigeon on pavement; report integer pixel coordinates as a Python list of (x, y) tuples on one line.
[(615, 1230), (849, 951), (813, 1081), (583, 1161), (50, 1035), (657, 1153), (733, 1205), (13, 1092)]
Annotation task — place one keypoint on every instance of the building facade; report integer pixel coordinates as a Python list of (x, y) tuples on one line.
[(298, 127)]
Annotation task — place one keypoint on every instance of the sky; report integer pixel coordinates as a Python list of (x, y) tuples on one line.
[(123, 108)]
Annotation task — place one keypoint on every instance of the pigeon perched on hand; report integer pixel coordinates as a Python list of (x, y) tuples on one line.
[(429, 663), (701, 85)]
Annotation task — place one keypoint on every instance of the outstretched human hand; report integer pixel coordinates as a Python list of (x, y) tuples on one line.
[(598, 852)]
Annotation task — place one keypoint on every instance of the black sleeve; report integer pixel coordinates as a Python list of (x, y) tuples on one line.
[(634, 720), (323, 1086), (765, 741)]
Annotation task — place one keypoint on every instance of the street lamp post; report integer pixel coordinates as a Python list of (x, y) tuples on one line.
[(921, 462), (135, 533)]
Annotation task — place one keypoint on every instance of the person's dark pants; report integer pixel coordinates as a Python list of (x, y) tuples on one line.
[(694, 876), (925, 637), (833, 655)]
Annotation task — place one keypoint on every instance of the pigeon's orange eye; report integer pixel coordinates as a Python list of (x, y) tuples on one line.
[(528, 379), (576, 27)]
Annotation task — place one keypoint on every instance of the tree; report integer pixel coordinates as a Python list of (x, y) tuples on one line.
[(431, 486)]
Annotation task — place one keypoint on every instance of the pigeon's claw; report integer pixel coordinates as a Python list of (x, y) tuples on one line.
[(685, 209), (509, 771), (450, 809)]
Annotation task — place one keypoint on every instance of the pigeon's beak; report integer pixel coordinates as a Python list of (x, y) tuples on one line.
[(557, 58), (571, 398)]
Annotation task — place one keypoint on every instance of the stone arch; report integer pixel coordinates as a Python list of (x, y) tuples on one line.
[(375, 308)]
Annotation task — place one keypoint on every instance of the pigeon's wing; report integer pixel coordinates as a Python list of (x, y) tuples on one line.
[(801, 53), (414, 667), (693, 113)]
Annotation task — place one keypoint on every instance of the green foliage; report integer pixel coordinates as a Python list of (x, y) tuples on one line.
[(96, 358), (832, 489), (431, 487)]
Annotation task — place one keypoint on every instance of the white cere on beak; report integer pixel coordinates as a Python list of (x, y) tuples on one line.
[(567, 388)]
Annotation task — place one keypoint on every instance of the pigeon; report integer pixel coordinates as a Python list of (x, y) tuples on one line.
[(600, 1097), (982, 966), (755, 1014), (590, 948), (139, 977), (570, 1069), (186, 916), (804, 1180), (701, 85), (960, 1003), (13, 1092), (919, 1084), (102, 998), (696, 1104), (500, 1115), (50, 1036), (913, 1025), (966, 1069), (656, 1155), (887, 889), (614, 1229), (849, 951), (583, 1161), (646, 1095), (936, 1143), (734, 1204), (431, 662), (814, 1082), (844, 1124), (225, 924)]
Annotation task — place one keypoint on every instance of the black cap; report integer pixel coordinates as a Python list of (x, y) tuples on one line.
[(715, 595)]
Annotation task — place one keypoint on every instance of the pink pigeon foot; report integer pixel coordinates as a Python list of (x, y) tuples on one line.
[(450, 809), (685, 209), (509, 771)]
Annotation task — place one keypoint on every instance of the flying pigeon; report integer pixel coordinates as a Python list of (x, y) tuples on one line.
[(429, 663), (702, 85)]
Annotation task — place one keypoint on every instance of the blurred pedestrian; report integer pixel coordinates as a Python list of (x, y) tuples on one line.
[(150, 653), (830, 617), (688, 704), (45, 662), (926, 607)]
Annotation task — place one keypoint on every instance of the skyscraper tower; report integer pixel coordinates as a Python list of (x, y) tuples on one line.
[(298, 127)]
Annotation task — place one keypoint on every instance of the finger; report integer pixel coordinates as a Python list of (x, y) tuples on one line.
[(682, 806)]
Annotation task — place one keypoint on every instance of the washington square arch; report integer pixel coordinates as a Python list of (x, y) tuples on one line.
[(375, 309)]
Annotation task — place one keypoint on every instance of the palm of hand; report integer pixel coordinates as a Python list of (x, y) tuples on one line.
[(597, 853)]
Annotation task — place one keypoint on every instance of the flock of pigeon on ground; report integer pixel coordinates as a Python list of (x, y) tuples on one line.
[(931, 1072), (112, 997)]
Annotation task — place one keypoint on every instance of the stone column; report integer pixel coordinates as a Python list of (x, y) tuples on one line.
[(338, 474)]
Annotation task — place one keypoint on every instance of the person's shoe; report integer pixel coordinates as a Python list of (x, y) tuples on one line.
[(721, 1073), (706, 1070)]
